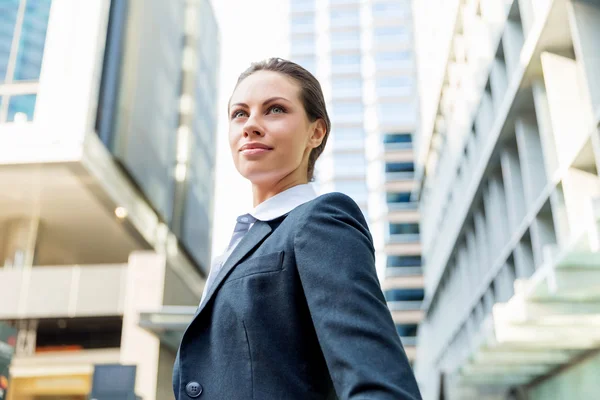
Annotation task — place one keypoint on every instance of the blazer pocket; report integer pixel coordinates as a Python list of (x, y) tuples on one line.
[(271, 262)]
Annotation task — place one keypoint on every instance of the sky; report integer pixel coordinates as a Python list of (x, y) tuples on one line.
[(250, 31)]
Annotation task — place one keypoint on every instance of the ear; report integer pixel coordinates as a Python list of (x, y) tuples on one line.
[(318, 134)]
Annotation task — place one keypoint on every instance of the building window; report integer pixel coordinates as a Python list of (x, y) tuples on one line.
[(400, 167), (340, 109), (396, 9), (404, 229), (31, 41), (342, 60), (353, 84), (405, 295), (348, 138), (345, 17), (345, 39), (403, 261), (402, 197), (397, 113), (393, 59), (407, 330), (349, 165), (25, 24), (397, 138)]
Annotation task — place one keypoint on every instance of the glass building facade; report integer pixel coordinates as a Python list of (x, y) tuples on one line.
[(23, 26), (362, 53), (107, 154)]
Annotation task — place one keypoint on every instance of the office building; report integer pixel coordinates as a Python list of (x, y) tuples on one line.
[(106, 167), (362, 54), (507, 168)]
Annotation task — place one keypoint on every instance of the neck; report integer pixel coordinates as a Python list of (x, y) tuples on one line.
[(262, 192)]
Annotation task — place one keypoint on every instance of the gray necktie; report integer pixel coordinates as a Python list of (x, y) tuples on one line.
[(241, 228)]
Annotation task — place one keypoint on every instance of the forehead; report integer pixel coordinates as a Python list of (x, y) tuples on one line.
[(264, 85)]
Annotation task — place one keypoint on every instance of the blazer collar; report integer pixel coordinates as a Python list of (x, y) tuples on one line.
[(253, 238)]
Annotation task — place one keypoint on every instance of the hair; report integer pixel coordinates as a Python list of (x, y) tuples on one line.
[(311, 96)]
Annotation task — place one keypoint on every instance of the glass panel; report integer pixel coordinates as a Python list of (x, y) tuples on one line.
[(347, 109), (404, 295), (32, 39), (21, 108), (393, 9), (403, 261), (346, 83), (348, 138), (393, 56), (404, 229), (345, 59), (397, 138), (401, 113), (402, 197), (8, 19), (406, 330), (349, 164), (400, 167), (348, 17)]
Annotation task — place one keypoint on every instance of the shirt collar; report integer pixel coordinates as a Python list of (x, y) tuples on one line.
[(284, 202)]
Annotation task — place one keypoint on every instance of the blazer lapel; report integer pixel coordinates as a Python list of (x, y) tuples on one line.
[(254, 236)]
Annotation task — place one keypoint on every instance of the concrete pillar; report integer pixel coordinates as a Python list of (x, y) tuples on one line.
[(145, 291), (19, 241)]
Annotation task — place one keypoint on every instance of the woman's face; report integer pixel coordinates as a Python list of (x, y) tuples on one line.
[(270, 135)]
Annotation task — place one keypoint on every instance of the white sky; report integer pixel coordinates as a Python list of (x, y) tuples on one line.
[(251, 30)]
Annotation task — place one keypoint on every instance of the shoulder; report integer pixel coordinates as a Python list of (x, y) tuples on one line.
[(334, 212), (330, 203)]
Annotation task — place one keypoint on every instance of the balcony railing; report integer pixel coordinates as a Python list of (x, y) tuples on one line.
[(67, 291), (411, 305), (391, 272), (399, 176), (403, 206), (404, 238), (398, 146)]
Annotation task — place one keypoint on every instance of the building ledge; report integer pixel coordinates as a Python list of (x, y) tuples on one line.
[(553, 318)]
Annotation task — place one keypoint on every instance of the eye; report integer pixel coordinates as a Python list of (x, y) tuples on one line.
[(276, 110), (238, 114)]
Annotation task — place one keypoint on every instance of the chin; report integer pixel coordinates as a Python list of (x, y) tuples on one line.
[(261, 176)]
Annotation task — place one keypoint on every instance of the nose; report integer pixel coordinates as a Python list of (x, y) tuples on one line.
[(252, 127)]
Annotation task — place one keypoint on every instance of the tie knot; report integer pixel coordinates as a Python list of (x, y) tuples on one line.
[(246, 219), (244, 222)]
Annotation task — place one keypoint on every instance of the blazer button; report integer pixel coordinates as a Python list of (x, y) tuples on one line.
[(193, 389)]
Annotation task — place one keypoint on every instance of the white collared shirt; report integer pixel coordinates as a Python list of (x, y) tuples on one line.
[(270, 209)]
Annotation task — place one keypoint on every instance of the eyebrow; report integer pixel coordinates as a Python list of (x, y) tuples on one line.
[(269, 100)]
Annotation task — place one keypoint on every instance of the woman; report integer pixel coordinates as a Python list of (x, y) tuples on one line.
[(293, 309)]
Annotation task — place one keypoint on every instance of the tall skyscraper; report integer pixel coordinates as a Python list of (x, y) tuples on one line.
[(508, 158), (107, 147), (362, 53)]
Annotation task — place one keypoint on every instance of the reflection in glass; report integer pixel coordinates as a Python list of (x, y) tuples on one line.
[(8, 19), (31, 41)]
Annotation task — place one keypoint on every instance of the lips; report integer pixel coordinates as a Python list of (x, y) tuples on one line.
[(254, 146)]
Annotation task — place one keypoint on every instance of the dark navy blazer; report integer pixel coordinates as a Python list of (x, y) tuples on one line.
[(297, 313)]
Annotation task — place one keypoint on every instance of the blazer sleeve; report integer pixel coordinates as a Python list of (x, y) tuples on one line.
[(336, 265)]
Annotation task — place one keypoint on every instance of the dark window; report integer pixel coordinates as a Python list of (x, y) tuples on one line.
[(78, 333), (400, 167), (397, 138), (407, 330), (405, 295), (403, 197), (404, 228), (404, 261)]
